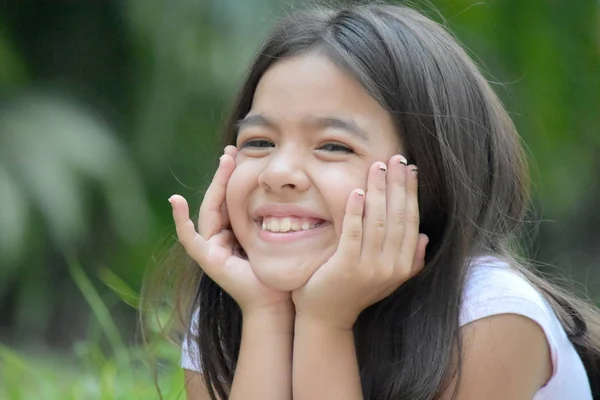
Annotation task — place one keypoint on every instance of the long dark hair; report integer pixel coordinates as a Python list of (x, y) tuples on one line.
[(473, 193)]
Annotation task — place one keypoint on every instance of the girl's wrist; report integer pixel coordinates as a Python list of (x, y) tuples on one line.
[(314, 323), (268, 324), (279, 316), (280, 307)]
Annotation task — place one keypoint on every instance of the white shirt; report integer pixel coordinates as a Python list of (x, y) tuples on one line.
[(494, 288)]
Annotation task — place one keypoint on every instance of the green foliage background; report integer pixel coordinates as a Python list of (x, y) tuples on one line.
[(109, 107)]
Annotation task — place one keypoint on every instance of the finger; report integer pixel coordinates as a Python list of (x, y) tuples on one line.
[(225, 216), (225, 239), (231, 150), (419, 259), (411, 232), (396, 208), (350, 243), (194, 244), (210, 219), (375, 212)]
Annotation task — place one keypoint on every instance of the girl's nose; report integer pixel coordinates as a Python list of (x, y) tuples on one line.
[(285, 170)]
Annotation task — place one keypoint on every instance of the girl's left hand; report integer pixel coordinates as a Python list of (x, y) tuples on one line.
[(380, 248)]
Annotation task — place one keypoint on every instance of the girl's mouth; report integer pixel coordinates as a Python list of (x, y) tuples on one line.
[(288, 229), (288, 224)]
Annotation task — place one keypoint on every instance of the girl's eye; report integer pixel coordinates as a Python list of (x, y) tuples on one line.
[(258, 144), (336, 148)]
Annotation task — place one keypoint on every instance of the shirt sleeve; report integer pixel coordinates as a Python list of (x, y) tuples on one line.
[(494, 290)]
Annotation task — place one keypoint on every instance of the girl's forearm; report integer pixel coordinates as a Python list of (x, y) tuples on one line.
[(325, 364), (264, 368)]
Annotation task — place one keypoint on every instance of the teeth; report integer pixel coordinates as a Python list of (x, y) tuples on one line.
[(286, 224), (274, 225)]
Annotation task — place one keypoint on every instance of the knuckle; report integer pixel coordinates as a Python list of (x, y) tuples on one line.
[(415, 219), (355, 234), (356, 212), (384, 273), (221, 185), (189, 227), (185, 240), (185, 236), (403, 264), (380, 222), (400, 218), (413, 188), (401, 182), (400, 277)]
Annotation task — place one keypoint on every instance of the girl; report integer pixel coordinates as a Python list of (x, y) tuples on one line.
[(333, 269)]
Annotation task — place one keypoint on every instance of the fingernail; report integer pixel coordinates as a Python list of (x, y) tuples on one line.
[(360, 192), (171, 200), (402, 160), (382, 167), (415, 170), (221, 158)]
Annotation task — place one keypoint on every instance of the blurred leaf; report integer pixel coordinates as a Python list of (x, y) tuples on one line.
[(14, 365), (50, 150), (89, 355), (14, 218), (119, 286), (12, 69), (13, 359), (101, 313)]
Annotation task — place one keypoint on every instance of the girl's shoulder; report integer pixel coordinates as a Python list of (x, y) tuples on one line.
[(491, 283), (494, 287)]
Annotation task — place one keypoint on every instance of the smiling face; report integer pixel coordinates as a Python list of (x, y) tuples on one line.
[(309, 139)]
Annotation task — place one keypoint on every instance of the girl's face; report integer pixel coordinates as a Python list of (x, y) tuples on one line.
[(309, 139)]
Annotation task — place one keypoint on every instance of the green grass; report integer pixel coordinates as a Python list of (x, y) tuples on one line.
[(90, 376), (89, 372)]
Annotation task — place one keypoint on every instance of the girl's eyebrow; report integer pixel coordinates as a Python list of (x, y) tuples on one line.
[(345, 124), (257, 120)]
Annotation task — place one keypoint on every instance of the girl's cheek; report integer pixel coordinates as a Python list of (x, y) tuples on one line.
[(338, 206), (335, 185), (240, 157)]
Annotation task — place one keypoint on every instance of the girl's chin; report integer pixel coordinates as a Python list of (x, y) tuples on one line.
[(282, 285), (284, 275)]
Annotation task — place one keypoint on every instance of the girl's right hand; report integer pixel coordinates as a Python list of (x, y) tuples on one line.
[(215, 248)]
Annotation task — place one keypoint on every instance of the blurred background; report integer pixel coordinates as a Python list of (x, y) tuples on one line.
[(109, 107)]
